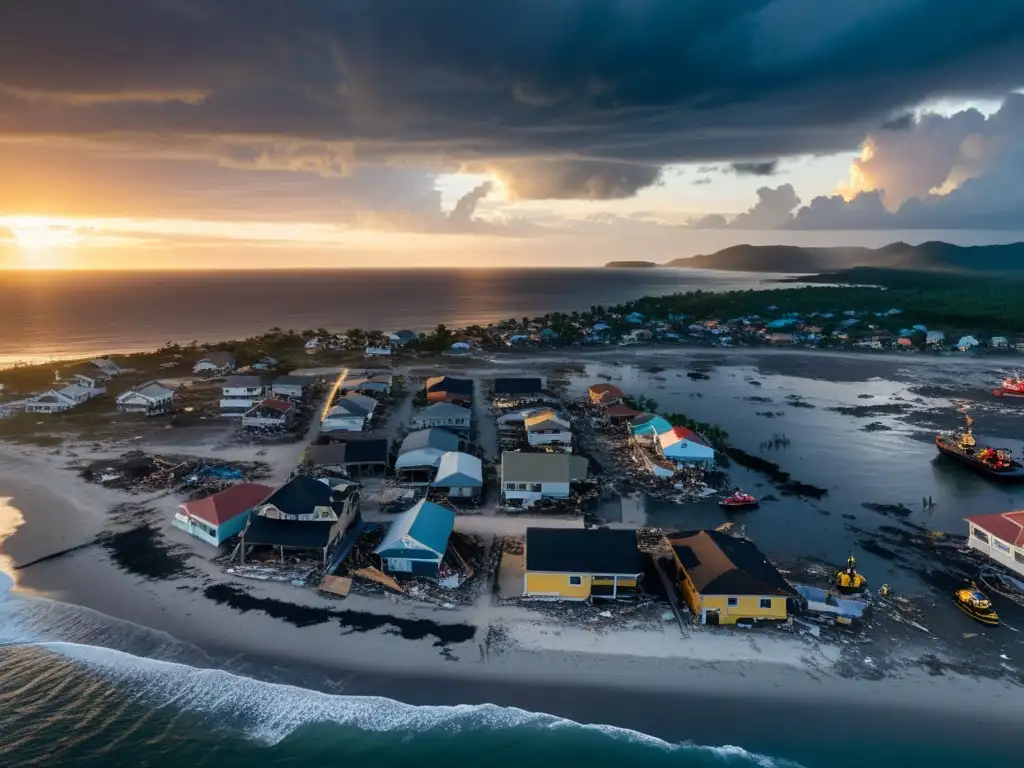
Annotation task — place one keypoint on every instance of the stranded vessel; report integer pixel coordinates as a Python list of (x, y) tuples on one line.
[(738, 500), (973, 602), (1012, 386), (994, 463)]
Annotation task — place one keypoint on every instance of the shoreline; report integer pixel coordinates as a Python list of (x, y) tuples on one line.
[(714, 687)]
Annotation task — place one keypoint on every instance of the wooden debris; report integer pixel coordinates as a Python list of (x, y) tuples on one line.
[(336, 585), (378, 576)]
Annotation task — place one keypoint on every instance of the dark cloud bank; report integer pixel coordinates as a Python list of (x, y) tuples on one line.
[(558, 98)]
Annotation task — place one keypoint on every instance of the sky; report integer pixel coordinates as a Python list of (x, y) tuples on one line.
[(243, 134)]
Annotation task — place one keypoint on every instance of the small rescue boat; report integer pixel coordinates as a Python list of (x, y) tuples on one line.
[(1013, 386), (973, 602), (738, 500), (848, 581)]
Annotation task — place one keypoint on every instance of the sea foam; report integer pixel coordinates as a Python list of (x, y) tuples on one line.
[(269, 712)]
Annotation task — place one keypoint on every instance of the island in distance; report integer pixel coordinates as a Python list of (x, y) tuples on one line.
[(930, 256)]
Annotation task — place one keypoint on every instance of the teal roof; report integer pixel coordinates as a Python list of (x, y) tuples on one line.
[(654, 426), (425, 523)]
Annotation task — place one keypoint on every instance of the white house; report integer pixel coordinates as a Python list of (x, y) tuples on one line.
[(151, 399), (293, 387), (217, 361), (92, 379), (548, 428), (240, 393), (999, 537), (460, 475), (446, 415), (269, 414), (424, 448), (349, 414), (52, 401), (934, 338), (529, 477), (378, 351)]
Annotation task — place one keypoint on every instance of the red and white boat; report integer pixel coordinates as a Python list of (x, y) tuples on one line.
[(738, 500), (1013, 386)]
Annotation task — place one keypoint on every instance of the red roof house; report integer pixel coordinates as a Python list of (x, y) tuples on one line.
[(605, 394), (1000, 537), (220, 516)]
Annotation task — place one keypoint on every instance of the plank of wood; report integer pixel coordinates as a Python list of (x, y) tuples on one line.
[(336, 585), (375, 574)]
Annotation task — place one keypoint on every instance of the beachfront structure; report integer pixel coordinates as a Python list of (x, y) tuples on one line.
[(605, 394), (684, 447), (725, 579), (1000, 537), (215, 519), (447, 415), (149, 399), (240, 393), (460, 475), (416, 541), (378, 351), (423, 449), (648, 427), (548, 428), (306, 498), (448, 389), (580, 564), (269, 414), (217, 361), (310, 535), (529, 477), (518, 388), (290, 387), (57, 400), (92, 379), (350, 456), (349, 414)]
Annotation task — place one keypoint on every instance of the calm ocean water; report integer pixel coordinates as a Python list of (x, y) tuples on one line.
[(57, 314)]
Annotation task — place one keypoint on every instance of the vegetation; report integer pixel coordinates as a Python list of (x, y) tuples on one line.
[(716, 437)]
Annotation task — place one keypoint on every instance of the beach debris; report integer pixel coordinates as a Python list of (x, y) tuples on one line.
[(140, 472), (336, 585), (378, 576)]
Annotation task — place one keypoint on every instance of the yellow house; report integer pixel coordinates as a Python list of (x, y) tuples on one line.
[(580, 564), (725, 579)]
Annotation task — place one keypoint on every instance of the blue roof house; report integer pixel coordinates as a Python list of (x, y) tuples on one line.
[(649, 424), (634, 317), (784, 322), (417, 539)]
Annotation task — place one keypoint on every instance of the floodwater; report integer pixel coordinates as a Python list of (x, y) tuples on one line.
[(894, 462)]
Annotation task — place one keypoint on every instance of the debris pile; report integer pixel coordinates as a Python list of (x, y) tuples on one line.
[(140, 472)]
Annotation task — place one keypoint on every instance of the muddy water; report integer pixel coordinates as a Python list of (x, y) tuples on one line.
[(823, 405)]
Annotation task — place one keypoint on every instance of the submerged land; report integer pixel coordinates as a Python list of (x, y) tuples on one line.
[(836, 441)]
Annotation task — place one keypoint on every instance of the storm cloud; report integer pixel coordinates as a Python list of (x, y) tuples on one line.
[(560, 98)]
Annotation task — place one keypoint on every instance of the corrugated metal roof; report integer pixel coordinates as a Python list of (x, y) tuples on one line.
[(425, 523), (444, 411), (429, 438)]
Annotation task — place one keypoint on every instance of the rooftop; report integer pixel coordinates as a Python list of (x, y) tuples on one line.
[(429, 438), (231, 502), (542, 467), (426, 523), (1008, 526), (719, 564), (293, 534), (450, 384), (578, 550)]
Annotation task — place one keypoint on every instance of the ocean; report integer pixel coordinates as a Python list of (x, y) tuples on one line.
[(60, 314), (77, 704)]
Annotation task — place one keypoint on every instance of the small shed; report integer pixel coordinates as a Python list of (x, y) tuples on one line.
[(417, 539), (460, 475)]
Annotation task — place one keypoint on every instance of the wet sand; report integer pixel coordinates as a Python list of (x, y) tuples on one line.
[(704, 685)]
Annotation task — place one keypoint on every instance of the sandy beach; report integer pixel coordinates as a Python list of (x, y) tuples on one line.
[(640, 672)]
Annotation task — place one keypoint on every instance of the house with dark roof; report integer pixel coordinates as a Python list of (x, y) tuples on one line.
[(215, 519), (999, 537), (149, 399), (581, 564), (350, 456), (726, 580), (518, 387), (217, 361), (240, 393), (416, 541), (306, 498), (448, 389), (293, 387), (448, 415), (315, 536), (403, 337)]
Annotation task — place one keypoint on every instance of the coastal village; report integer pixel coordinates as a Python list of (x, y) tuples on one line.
[(451, 489)]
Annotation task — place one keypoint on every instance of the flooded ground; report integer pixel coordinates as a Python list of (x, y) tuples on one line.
[(860, 429)]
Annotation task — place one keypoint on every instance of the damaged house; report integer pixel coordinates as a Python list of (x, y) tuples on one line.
[(526, 478), (416, 541), (421, 452)]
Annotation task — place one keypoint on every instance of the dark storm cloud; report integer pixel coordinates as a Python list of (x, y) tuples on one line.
[(902, 122), (571, 98), (755, 168)]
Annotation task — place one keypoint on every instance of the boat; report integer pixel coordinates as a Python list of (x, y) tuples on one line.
[(994, 463), (849, 581), (973, 602), (1012, 386), (738, 500)]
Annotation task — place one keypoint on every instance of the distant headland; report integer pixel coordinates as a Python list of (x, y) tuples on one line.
[(930, 256)]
